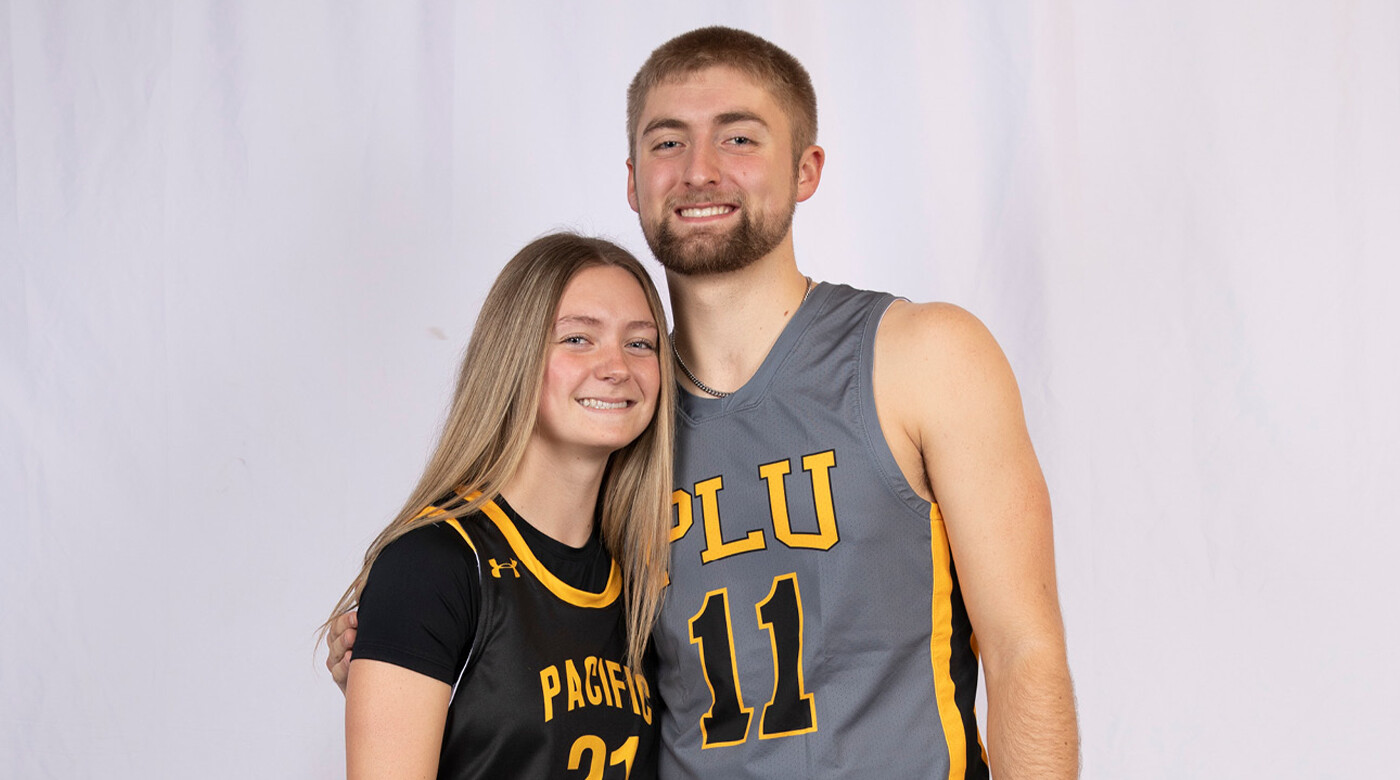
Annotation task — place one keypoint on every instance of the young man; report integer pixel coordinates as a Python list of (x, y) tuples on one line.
[(859, 511)]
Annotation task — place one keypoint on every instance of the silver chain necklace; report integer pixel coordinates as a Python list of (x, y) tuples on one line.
[(695, 380)]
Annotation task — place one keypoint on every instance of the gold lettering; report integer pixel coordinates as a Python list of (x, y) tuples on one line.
[(774, 474), (819, 465), (645, 691), (549, 686), (615, 669), (685, 516), (603, 678), (575, 685), (715, 546), (590, 671)]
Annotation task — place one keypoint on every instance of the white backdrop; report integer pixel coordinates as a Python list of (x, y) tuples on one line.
[(242, 245)]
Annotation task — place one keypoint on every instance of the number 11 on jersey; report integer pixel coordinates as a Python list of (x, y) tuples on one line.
[(791, 710)]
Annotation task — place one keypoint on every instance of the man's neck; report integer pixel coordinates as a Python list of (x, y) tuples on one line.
[(726, 323)]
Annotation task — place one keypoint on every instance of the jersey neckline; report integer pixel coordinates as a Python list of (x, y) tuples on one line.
[(565, 591), (697, 408)]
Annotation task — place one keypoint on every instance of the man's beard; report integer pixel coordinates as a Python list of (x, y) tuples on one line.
[(716, 253)]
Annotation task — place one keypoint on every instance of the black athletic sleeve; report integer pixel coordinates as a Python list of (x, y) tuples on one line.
[(419, 606)]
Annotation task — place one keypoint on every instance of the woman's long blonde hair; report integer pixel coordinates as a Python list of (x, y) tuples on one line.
[(493, 414)]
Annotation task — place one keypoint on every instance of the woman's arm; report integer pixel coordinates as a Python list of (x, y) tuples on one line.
[(394, 719)]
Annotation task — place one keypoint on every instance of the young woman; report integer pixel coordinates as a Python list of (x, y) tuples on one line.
[(504, 613)]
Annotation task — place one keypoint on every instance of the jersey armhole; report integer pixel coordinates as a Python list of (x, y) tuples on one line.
[(481, 610), (879, 446)]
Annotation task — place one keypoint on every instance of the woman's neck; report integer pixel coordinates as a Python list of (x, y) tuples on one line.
[(557, 495)]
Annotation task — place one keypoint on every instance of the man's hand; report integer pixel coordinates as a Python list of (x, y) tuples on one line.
[(340, 640)]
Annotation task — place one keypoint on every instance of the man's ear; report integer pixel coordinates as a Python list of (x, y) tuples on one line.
[(809, 171), (632, 186)]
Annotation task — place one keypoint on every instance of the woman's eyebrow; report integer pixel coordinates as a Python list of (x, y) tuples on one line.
[(586, 319)]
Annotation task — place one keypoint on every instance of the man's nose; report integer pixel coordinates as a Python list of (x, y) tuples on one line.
[(702, 166)]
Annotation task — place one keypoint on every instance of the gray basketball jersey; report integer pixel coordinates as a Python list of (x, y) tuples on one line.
[(813, 627)]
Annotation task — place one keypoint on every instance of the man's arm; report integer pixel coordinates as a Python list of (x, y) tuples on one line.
[(950, 409), (340, 640)]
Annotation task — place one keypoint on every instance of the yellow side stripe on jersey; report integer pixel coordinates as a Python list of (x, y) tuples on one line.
[(565, 591), (941, 646)]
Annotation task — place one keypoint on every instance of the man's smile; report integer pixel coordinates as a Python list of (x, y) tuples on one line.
[(699, 212)]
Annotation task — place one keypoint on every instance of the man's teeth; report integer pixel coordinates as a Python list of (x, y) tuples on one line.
[(708, 211), (594, 403)]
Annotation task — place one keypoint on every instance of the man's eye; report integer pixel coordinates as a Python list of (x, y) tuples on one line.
[(668, 145), (741, 140)]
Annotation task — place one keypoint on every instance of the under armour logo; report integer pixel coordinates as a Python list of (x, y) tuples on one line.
[(496, 568)]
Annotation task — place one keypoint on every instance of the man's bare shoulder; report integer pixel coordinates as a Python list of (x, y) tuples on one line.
[(936, 345), (940, 379)]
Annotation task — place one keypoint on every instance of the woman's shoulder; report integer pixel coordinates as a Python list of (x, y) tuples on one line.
[(426, 545), (418, 607)]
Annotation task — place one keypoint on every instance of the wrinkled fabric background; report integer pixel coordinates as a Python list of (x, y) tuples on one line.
[(242, 246)]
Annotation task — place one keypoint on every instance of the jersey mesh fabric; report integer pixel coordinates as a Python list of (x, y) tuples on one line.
[(813, 627)]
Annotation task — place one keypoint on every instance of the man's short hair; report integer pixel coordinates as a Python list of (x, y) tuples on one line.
[(776, 70)]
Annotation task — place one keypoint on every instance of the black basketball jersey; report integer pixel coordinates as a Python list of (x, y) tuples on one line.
[(546, 691)]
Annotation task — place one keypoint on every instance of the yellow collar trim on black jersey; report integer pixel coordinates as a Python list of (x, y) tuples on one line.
[(452, 521), (560, 588), (433, 511)]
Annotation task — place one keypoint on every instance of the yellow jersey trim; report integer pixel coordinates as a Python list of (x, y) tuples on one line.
[(434, 511), (565, 591), (941, 646), (452, 521)]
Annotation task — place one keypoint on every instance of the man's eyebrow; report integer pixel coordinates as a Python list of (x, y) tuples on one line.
[(734, 117), (726, 118), (664, 123)]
